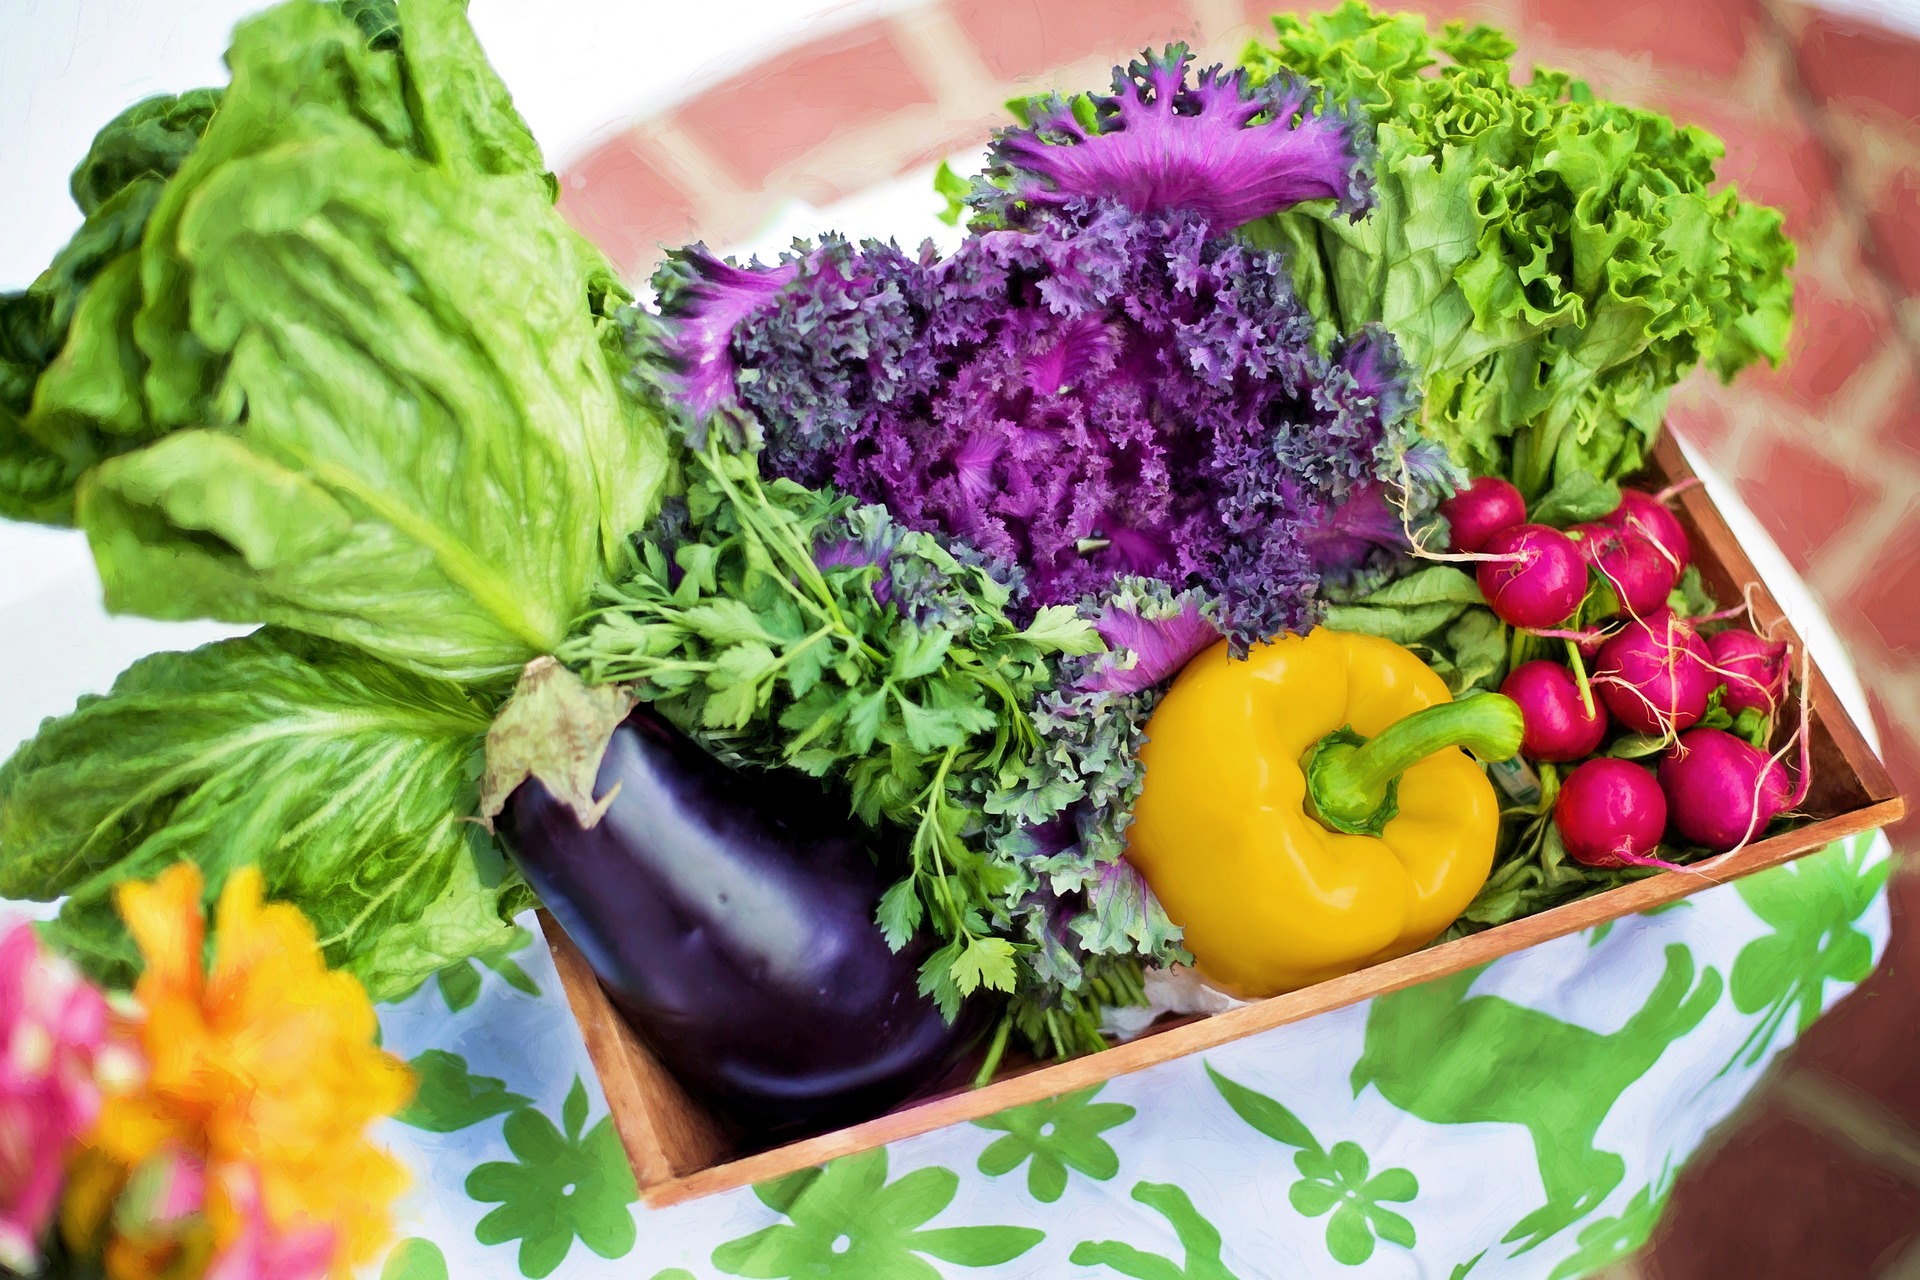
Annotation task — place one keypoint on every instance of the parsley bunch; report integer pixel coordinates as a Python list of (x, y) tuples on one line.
[(787, 626)]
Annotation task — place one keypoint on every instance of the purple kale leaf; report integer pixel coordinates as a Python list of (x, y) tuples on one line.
[(1220, 148), (1109, 388)]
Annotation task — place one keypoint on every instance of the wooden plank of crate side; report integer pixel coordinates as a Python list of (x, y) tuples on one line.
[(1209, 1033), (666, 1133)]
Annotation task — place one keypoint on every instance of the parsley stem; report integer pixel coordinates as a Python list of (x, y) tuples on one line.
[(778, 541), (931, 800), (994, 1051)]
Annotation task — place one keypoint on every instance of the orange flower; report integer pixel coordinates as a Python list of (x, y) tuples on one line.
[(263, 1067)]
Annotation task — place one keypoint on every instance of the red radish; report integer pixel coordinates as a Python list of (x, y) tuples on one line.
[(1646, 515), (1656, 674), (1558, 726), (1541, 584), (1722, 791), (1481, 510), (1640, 573), (1611, 813), (1754, 670)]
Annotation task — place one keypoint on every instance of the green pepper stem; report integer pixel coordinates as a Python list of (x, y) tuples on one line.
[(1350, 781)]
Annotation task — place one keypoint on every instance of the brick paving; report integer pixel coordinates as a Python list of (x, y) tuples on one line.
[(1819, 1178)]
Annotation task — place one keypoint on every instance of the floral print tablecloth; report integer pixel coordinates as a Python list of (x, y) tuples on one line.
[(1524, 1119)]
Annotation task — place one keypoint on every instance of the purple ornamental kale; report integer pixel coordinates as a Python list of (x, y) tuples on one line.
[(1099, 391), (1151, 633), (1222, 149), (705, 300)]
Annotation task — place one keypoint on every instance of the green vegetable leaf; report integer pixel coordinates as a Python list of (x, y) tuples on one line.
[(1058, 628), (1576, 496), (1636, 746), (327, 357), (70, 372), (347, 781), (900, 913), (459, 546), (984, 962), (953, 189), (1689, 597), (1406, 624), (1755, 725), (1551, 261), (1477, 642), (1435, 584)]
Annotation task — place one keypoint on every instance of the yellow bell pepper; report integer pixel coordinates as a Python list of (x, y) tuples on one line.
[(1307, 812)]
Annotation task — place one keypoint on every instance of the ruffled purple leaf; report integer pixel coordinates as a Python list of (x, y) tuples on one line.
[(846, 553), (1151, 633), (1096, 396), (1221, 149), (1123, 915), (705, 300), (1351, 536)]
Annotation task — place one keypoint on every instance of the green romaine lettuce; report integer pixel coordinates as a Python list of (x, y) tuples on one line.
[(433, 463), (333, 363), (382, 362), (345, 779), (62, 410), (1552, 262)]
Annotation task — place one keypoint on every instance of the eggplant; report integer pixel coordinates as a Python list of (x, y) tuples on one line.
[(731, 920)]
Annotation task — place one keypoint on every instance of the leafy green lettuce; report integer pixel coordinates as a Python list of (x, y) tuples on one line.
[(1552, 262), (346, 780), (324, 357), (88, 390), (377, 370)]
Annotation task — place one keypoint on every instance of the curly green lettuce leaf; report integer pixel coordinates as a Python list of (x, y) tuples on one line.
[(344, 779), (1552, 262)]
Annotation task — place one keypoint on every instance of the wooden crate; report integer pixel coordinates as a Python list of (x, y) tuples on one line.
[(679, 1153)]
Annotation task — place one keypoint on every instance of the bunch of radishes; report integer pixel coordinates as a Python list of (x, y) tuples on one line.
[(1604, 589)]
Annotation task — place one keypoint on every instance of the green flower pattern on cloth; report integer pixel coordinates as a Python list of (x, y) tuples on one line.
[(448, 1098), (847, 1222), (1336, 1180), (459, 984), (1605, 1241), (563, 1186), (415, 1258), (1052, 1137), (1813, 906), (1198, 1237), (1567, 1078), (1427, 1052)]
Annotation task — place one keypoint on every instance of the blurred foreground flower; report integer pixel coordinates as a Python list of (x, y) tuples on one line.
[(59, 1043), (242, 1154)]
